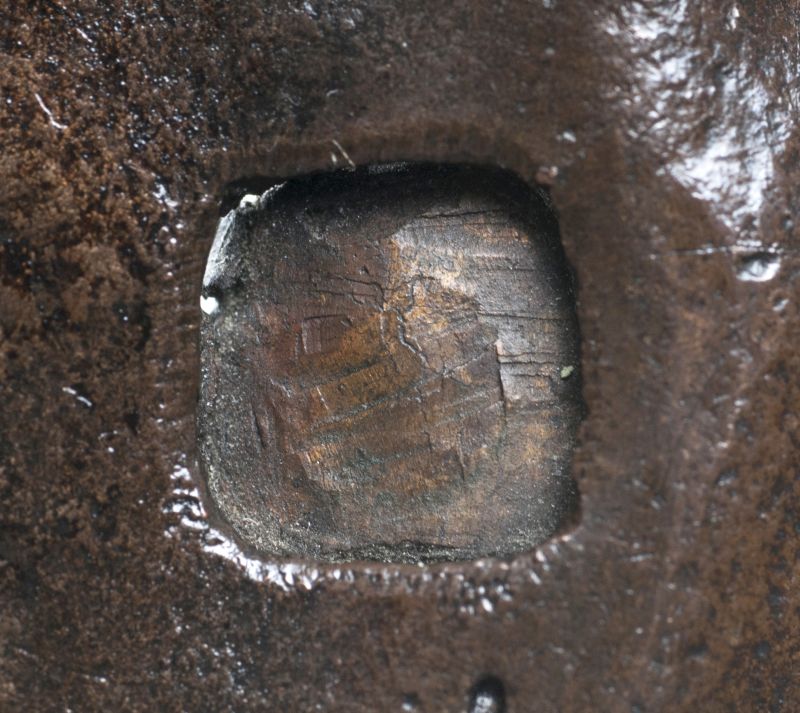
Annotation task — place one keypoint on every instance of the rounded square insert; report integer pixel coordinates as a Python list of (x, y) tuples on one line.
[(389, 367)]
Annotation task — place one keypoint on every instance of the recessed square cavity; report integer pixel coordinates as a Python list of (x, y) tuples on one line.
[(390, 367)]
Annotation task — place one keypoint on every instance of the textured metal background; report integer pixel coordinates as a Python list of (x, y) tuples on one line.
[(668, 133)]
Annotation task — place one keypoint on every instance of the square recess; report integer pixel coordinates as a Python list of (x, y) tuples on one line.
[(389, 367)]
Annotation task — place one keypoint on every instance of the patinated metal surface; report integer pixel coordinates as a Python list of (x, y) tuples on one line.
[(667, 131)]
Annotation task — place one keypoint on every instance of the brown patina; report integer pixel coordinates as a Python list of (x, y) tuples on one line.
[(667, 134)]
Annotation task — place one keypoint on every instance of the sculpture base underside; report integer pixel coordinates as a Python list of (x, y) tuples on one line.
[(668, 136)]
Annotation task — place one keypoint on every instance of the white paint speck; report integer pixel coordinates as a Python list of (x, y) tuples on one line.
[(733, 17), (209, 305), (81, 399), (248, 200), (344, 154), (759, 268), (50, 118), (161, 194)]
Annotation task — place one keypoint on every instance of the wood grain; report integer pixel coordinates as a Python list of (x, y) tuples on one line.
[(390, 372)]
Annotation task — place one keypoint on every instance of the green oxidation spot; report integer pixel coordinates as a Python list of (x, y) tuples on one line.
[(566, 371)]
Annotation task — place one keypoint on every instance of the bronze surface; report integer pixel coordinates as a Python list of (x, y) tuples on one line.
[(668, 134)]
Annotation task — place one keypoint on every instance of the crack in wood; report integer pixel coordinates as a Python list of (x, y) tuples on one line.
[(398, 361)]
